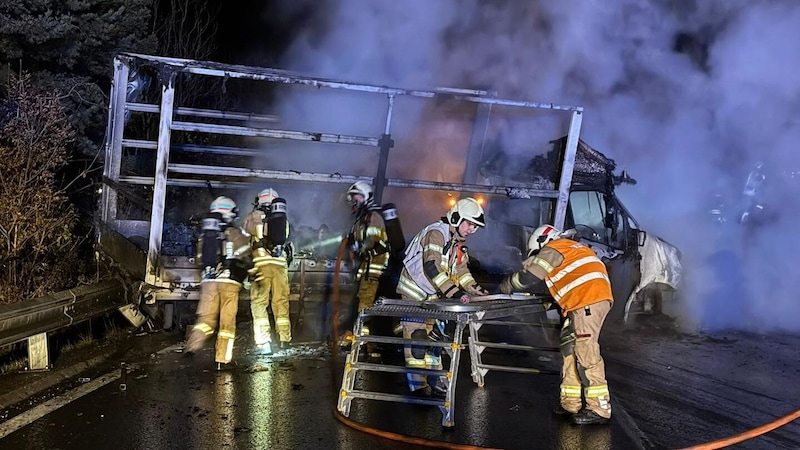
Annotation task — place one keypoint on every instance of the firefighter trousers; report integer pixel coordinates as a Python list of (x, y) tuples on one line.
[(419, 357), (273, 280), (218, 305), (585, 356), (367, 289)]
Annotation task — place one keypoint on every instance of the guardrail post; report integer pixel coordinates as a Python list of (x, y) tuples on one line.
[(38, 354)]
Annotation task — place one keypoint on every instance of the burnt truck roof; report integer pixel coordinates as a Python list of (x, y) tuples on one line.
[(592, 168)]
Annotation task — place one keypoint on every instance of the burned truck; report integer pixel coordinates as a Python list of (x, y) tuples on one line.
[(181, 132)]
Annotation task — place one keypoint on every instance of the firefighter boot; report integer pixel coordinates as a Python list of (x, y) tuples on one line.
[(561, 412), (346, 341), (589, 417)]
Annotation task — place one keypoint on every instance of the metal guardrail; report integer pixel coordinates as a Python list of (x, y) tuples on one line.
[(32, 319)]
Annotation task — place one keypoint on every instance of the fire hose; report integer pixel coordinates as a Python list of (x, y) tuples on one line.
[(749, 434)]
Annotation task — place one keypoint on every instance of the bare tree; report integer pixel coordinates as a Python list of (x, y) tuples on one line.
[(37, 247), (188, 29)]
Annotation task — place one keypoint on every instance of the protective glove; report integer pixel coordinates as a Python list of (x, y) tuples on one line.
[(289, 249), (357, 247), (461, 296)]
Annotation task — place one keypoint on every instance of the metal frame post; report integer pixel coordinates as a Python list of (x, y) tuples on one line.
[(113, 146), (565, 183), (385, 143), (476, 141), (160, 183)]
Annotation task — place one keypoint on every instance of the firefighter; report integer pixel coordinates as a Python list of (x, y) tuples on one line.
[(269, 230), (435, 266), (578, 281), (224, 252), (370, 246)]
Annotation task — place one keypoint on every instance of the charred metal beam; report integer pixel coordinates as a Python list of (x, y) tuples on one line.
[(160, 182), (194, 148), (210, 113), (282, 76), (138, 200), (275, 134), (240, 172), (565, 182)]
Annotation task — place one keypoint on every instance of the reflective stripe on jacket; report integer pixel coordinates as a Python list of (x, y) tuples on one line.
[(450, 257), (580, 280), (254, 224), (369, 232)]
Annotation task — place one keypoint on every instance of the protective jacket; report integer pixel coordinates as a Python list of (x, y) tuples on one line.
[(230, 249), (435, 265), (370, 243), (573, 273), (264, 252)]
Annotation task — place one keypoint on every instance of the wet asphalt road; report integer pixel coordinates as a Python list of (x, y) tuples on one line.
[(172, 403), (669, 391)]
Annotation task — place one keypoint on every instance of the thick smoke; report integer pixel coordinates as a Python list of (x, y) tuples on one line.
[(687, 96)]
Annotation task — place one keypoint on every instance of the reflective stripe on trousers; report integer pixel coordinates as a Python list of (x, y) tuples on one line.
[(587, 356), (430, 361), (273, 287), (218, 305)]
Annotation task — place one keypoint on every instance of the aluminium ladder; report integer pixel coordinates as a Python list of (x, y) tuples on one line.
[(482, 310)]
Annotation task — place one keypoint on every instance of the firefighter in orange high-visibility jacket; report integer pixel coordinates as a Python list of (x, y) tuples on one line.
[(435, 267), (224, 253), (269, 229), (370, 246), (578, 281)]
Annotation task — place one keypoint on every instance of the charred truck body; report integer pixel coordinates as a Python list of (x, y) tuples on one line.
[(170, 150)]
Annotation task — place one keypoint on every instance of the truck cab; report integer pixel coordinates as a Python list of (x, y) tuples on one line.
[(644, 270)]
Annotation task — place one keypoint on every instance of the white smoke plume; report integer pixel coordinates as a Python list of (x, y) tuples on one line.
[(687, 96)]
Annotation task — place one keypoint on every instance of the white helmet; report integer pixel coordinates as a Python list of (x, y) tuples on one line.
[(466, 209), (360, 187), (226, 207), (540, 237), (266, 196)]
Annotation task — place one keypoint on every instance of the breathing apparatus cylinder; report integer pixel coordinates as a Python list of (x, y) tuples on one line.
[(394, 231), (275, 222), (212, 233)]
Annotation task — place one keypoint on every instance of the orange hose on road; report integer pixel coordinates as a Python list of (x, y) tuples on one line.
[(750, 434), (403, 438)]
